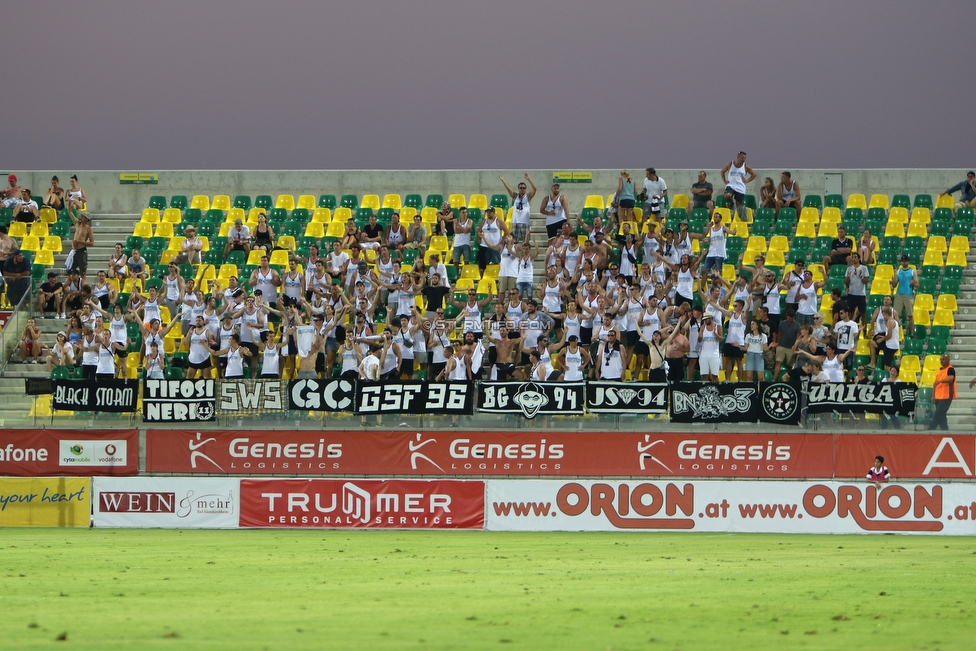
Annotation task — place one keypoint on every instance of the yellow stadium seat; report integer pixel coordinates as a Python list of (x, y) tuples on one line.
[(407, 213), (39, 229), (371, 201), (956, 259), (471, 271), (757, 243), (175, 243), (322, 215), (439, 243), (932, 363), (904, 375), (863, 347), (943, 318), (167, 256), (17, 229), (254, 256), (898, 214), (910, 363), (52, 243), (739, 227), (937, 243), (220, 202), (878, 201), (150, 215), (200, 202), (724, 212), (457, 200), (831, 214), (917, 229), (234, 214), (465, 283), (959, 243), (279, 257), (778, 243), (130, 283), (933, 258), (818, 272), (286, 201), (205, 241), (881, 287), (342, 214), (224, 229), (315, 229), (173, 215), (253, 213), (921, 316), (478, 201), (828, 229), (774, 258), (206, 272), (227, 270), (921, 215), (164, 229), (884, 272), (486, 284), (336, 228), (945, 201), (287, 242), (810, 214), (594, 201), (680, 201), (491, 271), (30, 243), (142, 229), (857, 201), (48, 215), (894, 229), (805, 229), (306, 202), (947, 302), (44, 257), (428, 215)]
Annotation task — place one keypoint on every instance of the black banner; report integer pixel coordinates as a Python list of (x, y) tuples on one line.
[(626, 398), (176, 401), (708, 402), (38, 386), (251, 397), (870, 397), (532, 398), (779, 402), (414, 397), (322, 395), (116, 396)]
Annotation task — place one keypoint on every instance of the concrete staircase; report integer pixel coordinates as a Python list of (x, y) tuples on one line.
[(962, 351)]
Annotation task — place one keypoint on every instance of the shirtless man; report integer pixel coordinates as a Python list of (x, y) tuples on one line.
[(83, 239), (505, 349)]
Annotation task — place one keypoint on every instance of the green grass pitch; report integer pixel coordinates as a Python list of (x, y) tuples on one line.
[(276, 589)]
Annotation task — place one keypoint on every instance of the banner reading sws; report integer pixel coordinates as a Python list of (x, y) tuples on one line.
[(45, 502), (478, 454), (363, 503), (40, 452), (731, 506), (251, 397)]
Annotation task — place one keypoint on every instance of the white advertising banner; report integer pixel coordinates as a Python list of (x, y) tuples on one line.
[(166, 502), (731, 506)]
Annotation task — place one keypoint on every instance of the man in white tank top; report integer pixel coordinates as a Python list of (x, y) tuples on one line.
[(736, 175), (788, 194), (521, 210), (556, 209)]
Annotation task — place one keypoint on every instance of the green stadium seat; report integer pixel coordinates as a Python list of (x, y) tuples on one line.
[(923, 201), (913, 346), (157, 282), (236, 258), (901, 201), (876, 214), (891, 243), (834, 201), (264, 202), (300, 215), (192, 216), (788, 214), (414, 201), (965, 217), (277, 216), (499, 201), (938, 345), (243, 202), (931, 271), (179, 201), (954, 272), (784, 228), (943, 214), (950, 286), (134, 242), (207, 229), (158, 202), (214, 256), (940, 228), (751, 202), (349, 201), (813, 201), (719, 200), (215, 216), (434, 201), (887, 256), (327, 201)]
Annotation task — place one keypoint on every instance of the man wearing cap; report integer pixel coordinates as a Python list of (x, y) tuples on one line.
[(191, 247), (17, 276), (521, 210), (556, 209), (27, 210), (906, 283), (238, 239), (13, 194), (50, 296), (966, 189)]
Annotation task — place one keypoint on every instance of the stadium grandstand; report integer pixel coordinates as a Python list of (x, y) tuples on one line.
[(581, 269)]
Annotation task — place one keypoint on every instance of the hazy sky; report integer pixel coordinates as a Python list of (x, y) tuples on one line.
[(578, 84)]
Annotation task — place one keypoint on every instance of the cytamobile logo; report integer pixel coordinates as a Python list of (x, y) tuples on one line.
[(91, 453)]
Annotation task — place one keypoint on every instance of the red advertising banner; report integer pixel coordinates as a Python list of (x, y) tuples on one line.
[(480, 454), (907, 456), (47, 452), (363, 504)]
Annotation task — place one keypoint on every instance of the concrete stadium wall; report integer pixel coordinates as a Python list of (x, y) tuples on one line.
[(106, 195)]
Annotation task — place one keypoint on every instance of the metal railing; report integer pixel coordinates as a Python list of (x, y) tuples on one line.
[(12, 329)]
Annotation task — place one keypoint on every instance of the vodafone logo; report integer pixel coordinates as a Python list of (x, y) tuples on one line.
[(110, 449)]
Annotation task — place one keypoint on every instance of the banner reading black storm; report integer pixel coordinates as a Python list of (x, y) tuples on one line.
[(532, 398), (117, 396)]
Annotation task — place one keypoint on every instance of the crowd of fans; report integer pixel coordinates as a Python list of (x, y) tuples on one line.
[(631, 295)]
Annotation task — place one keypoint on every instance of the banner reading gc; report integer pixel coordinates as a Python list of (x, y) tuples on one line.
[(416, 397), (532, 398)]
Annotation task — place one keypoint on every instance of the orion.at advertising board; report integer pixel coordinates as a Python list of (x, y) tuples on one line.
[(620, 454), (38, 452), (182, 502), (731, 506), (359, 504)]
